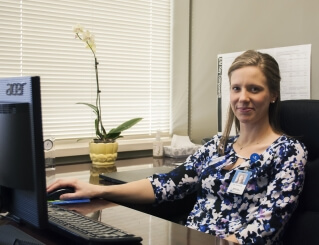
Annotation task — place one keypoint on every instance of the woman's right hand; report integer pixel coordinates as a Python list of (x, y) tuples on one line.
[(139, 191), (82, 189)]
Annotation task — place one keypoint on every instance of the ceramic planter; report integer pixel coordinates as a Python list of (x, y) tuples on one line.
[(103, 154)]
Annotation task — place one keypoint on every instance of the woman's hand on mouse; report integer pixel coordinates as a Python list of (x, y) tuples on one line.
[(140, 191), (82, 189)]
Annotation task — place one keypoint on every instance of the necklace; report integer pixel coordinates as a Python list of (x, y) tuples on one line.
[(243, 146), (262, 139)]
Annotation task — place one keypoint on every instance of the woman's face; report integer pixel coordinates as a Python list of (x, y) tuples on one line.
[(249, 95)]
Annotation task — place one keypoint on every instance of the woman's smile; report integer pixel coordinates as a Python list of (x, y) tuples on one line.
[(244, 109)]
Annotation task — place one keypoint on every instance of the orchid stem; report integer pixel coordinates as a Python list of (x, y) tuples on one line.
[(98, 91)]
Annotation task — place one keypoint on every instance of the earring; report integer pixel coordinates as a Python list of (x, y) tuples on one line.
[(273, 101)]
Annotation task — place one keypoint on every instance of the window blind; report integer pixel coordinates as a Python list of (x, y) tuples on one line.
[(132, 47)]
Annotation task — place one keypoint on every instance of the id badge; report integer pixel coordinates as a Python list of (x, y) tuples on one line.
[(239, 182)]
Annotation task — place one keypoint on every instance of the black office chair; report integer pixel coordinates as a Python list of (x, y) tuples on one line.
[(300, 118)]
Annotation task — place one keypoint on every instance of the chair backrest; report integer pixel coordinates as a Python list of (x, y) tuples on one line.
[(300, 119)]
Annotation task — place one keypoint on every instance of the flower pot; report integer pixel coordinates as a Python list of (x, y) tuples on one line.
[(103, 154)]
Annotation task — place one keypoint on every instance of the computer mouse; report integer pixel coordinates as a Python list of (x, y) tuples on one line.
[(55, 194)]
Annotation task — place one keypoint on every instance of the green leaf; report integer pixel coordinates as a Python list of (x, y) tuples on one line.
[(124, 126), (95, 109), (113, 135)]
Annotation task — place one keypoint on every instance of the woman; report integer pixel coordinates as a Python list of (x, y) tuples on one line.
[(255, 213)]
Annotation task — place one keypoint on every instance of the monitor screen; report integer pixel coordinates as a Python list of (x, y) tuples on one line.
[(22, 167)]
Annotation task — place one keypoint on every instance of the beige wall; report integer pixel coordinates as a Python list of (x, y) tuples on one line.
[(223, 26)]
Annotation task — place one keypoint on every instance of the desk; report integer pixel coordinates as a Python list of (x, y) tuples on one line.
[(153, 230)]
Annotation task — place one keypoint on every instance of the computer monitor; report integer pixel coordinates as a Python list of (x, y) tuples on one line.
[(22, 166)]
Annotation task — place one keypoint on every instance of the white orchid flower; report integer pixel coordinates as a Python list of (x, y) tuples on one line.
[(78, 28), (89, 39), (86, 35)]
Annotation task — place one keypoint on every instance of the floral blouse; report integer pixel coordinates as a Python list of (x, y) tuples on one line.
[(259, 214)]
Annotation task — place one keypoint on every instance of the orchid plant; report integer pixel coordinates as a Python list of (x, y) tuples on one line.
[(101, 135)]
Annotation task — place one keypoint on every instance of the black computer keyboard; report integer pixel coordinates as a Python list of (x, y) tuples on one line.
[(85, 229)]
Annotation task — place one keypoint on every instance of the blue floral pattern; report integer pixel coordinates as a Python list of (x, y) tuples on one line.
[(259, 215)]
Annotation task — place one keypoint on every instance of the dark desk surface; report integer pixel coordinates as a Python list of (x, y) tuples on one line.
[(153, 230)]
